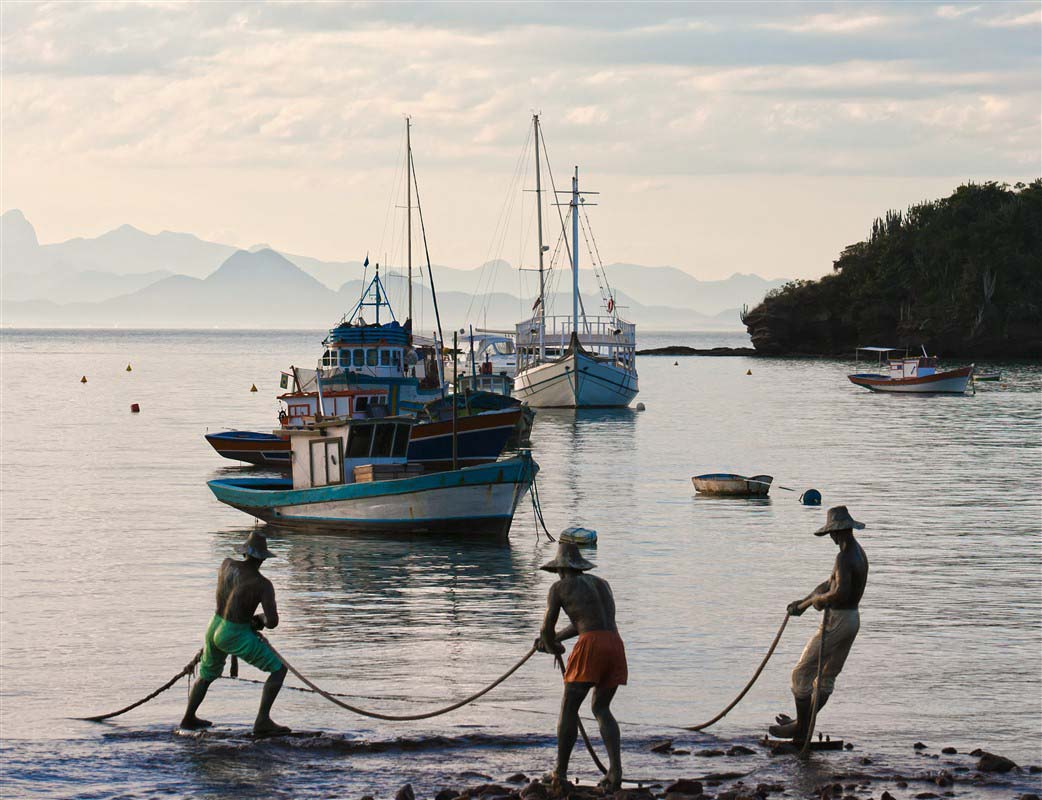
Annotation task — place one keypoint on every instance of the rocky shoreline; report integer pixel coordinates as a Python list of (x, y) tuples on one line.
[(683, 350), (985, 773)]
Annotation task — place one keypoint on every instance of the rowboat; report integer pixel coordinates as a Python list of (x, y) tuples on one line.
[(353, 476), (731, 485), (913, 375), (987, 376)]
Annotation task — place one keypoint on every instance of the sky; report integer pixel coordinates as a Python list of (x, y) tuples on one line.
[(737, 137)]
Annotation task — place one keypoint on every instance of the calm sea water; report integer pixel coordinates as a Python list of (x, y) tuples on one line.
[(111, 541)]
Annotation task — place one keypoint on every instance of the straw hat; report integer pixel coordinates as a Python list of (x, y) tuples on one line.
[(256, 546), (568, 557), (839, 519)]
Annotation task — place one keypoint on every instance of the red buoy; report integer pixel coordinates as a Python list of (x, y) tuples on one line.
[(134, 408)]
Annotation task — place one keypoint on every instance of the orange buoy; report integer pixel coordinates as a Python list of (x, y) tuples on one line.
[(83, 379), (134, 408), (128, 368), (253, 387)]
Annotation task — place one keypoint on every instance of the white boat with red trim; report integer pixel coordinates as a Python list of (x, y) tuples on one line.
[(912, 375)]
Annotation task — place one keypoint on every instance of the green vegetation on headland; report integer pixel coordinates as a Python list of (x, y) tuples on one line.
[(961, 275)]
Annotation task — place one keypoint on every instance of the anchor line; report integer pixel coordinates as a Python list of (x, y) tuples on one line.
[(537, 508)]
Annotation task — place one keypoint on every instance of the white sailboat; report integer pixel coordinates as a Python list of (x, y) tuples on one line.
[(578, 361)]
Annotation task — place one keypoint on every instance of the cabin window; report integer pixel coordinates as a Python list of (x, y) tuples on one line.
[(327, 463), (345, 358), (383, 438), (358, 441), (329, 358), (396, 358), (401, 440), (359, 357), (299, 411), (370, 357), (385, 358)]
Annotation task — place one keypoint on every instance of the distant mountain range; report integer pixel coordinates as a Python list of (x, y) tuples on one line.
[(130, 278)]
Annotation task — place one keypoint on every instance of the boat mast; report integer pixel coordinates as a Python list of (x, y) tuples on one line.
[(575, 251), (408, 204), (539, 218)]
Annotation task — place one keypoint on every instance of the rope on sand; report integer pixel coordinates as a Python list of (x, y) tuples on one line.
[(188, 669), (749, 685)]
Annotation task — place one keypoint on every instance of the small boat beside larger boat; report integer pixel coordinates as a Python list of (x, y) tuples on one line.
[(913, 375), (353, 475)]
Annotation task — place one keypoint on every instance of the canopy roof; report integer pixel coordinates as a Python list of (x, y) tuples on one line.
[(880, 349)]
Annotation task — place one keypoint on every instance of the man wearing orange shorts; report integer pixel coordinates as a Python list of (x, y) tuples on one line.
[(598, 660)]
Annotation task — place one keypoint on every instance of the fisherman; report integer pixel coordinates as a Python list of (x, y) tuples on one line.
[(597, 661), (838, 597), (233, 630)]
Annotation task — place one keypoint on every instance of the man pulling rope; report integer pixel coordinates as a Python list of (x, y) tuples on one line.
[(233, 630), (839, 596)]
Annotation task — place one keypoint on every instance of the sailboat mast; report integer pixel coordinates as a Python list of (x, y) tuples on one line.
[(539, 218), (575, 251), (408, 204)]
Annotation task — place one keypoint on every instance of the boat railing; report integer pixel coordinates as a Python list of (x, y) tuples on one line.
[(598, 331)]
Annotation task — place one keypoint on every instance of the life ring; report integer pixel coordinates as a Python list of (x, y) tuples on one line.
[(611, 304)]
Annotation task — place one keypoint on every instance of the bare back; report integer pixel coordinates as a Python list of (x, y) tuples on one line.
[(588, 602), (240, 589)]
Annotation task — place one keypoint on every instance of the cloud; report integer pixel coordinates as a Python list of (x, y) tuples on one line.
[(1031, 18), (954, 12), (834, 23)]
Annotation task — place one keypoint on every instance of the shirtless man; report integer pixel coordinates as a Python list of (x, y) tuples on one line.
[(233, 629), (597, 661), (838, 597)]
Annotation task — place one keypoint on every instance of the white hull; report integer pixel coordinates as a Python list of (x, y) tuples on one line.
[(442, 505), (576, 381)]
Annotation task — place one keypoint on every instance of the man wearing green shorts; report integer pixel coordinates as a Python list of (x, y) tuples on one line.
[(233, 629)]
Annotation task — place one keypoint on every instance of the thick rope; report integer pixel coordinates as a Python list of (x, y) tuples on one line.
[(403, 717), (582, 729), (537, 507), (749, 685), (817, 685), (186, 670)]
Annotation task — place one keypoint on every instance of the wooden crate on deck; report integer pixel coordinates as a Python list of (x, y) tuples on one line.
[(367, 473)]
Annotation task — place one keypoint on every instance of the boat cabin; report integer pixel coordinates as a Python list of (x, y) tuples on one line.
[(301, 408), (606, 338), (340, 451), (918, 367), (495, 384)]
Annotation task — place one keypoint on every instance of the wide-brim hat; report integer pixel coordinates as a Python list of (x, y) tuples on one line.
[(568, 557), (839, 519), (256, 546)]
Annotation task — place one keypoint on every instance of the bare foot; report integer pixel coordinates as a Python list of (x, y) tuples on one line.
[(786, 727), (610, 783), (194, 723), (269, 728)]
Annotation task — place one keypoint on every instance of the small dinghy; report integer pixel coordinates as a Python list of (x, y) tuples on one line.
[(987, 376), (731, 485)]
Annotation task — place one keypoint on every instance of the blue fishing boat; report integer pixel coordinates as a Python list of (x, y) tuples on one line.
[(354, 476)]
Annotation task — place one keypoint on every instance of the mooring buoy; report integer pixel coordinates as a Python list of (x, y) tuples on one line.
[(748, 372), (135, 408), (253, 387), (811, 497), (676, 363), (641, 406), (83, 379), (129, 369)]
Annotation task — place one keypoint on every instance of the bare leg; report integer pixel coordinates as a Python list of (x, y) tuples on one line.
[(568, 726), (264, 725), (610, 734), (191, 722)]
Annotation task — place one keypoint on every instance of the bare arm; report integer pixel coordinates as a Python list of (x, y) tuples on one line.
[(838, 593), (271, 611), (797, 607), (548, 635)]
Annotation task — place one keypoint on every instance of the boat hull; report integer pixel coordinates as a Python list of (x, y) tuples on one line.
[(953, 381), (472, 502), (259, 449), (729, 485), (480, 439), (576, 381)]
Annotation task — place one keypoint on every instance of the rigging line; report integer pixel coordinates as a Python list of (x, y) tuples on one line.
[(506, 210), (600, 262), (553, 188), (430, 272), (395, 184), (597, 273)]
